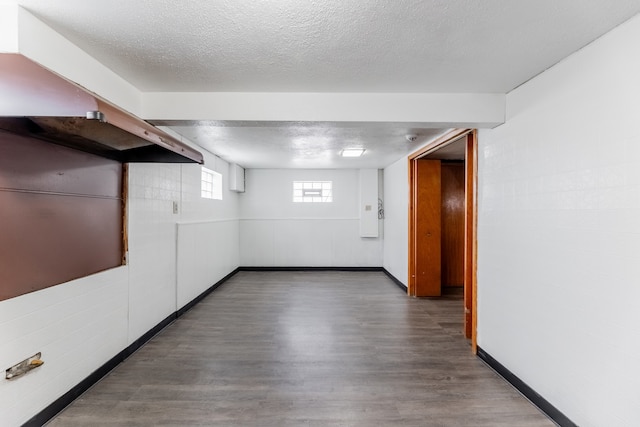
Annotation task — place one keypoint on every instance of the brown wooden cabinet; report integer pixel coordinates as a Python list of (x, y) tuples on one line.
[(61, 214)]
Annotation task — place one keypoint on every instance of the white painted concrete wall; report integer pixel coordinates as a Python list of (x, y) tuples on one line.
[(369, 195), (208, 233), (396, 220), (276, 232), (80, 325), (559, 236)]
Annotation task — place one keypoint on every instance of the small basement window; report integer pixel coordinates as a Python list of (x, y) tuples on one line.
[(211, 184), (312, 191)]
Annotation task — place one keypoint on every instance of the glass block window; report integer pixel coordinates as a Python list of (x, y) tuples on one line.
[(312, 192), (211, 184)]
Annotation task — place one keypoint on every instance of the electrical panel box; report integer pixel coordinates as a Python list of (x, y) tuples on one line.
[(236, 178)]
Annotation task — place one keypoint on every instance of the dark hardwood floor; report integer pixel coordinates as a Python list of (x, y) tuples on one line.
[(307, 349)]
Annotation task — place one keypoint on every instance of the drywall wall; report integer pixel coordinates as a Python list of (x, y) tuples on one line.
[(559, 236), (275, 231), (80, 325), (396, 219)]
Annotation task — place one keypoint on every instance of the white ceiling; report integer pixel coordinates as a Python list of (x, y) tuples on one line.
[(438, 46), (308, 145), (331, 45)]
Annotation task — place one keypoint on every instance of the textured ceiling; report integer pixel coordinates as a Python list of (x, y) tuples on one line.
[(331, 45), (327, 46), (308, 145)]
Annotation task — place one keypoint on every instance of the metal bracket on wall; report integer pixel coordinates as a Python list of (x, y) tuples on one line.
[(23, 367)]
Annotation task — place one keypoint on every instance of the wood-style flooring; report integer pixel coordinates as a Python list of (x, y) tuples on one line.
[(307, 349)]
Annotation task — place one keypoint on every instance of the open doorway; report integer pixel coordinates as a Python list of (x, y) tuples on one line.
[(442, 220)]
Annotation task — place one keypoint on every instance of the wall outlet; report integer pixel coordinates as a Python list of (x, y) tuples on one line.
[(175, 207)]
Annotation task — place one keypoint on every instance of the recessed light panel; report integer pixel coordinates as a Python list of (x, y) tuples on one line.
[(352, 152)]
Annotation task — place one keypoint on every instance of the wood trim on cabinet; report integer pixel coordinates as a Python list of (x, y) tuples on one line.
[(125, 215)]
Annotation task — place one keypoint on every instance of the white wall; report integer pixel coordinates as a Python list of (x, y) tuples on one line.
[(164, 246), (152, 248), (208, 242), (80, 325), (369, 195), (559, 236), (274, 231), (396, 220)]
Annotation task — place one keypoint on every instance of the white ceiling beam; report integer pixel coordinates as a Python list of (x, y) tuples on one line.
[(439, 110), (23, 33), (8, 28)]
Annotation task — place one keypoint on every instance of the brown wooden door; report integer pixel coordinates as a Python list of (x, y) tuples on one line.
[(453, 216), (427, 211), (417, 256)]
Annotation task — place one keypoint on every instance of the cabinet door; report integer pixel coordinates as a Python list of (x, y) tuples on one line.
[(61, 214)]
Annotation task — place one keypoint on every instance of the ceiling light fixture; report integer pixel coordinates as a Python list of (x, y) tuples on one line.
[(352, 152)]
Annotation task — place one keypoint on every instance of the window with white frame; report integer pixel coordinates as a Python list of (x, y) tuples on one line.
[(211, 184), (312, 191)]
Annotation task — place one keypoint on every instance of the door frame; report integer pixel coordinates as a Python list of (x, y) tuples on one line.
[(471, 220)]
